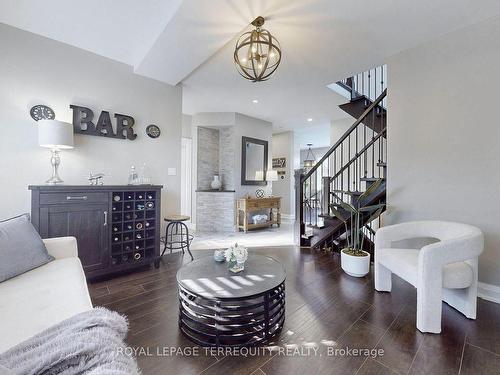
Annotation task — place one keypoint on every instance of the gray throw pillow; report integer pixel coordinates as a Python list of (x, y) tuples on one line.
[(21, 248)]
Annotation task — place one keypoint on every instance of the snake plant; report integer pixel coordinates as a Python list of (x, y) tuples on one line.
[(354, 232)]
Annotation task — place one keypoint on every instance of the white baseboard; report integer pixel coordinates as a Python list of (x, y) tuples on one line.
[(488, 292)]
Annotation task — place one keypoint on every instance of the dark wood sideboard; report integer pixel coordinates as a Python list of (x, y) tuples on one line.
[(117, 227)]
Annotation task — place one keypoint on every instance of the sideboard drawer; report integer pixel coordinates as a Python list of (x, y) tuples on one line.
[(73, 197)]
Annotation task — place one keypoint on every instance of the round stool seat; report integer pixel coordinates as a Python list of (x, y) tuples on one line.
[(177, 218)]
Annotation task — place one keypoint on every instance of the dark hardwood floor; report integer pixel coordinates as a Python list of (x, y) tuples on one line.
[(326, 310)]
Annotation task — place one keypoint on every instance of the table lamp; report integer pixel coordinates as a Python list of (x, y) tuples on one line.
[(56, 135), (271, 175)]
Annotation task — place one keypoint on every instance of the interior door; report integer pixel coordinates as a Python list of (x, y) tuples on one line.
[(88, 223), (186, 176)]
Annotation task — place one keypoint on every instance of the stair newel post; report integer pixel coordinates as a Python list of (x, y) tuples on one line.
[(316, 192), (325, 206), (299, 206)]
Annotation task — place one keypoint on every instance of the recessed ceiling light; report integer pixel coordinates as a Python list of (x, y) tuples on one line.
[(309, 119), (255, 101)]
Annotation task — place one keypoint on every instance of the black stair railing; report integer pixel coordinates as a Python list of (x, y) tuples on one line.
[(342, 174), (369, 84)]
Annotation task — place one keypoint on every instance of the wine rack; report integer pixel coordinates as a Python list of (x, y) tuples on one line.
[(117, 227), (133, 227)]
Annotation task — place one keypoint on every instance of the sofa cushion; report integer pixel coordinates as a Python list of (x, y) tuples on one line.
[(21, 248), (404, 263), (36, 300)]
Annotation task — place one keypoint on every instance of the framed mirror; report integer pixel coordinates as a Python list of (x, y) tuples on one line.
[(253, 161)]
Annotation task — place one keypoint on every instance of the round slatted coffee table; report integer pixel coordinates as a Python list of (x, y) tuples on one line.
[(221, 308)]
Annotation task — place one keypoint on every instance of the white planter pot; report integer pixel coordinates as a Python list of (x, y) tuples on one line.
[(355, 266)]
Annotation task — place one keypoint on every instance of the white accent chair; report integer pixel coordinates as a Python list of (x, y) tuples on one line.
[(442, 271)]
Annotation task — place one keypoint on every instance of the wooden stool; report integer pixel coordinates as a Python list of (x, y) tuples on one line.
[(176, 227)]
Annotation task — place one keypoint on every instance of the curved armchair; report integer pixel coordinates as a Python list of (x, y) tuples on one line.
[(442, 271)]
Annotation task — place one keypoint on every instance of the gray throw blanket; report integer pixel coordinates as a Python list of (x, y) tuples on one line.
[(88, 343)]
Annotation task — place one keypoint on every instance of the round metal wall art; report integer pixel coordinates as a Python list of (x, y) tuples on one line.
[(42, 112), (257, 54)]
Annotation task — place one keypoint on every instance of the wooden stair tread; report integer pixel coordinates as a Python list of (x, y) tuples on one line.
[(371, 179), (348, 192)]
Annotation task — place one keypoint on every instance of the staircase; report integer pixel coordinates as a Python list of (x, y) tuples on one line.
[(354, 164)]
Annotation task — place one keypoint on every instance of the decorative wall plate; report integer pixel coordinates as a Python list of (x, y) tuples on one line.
[(153, 131), (42, 112)]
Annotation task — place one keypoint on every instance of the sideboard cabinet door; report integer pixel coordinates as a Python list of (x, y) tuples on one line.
[(87, 222)]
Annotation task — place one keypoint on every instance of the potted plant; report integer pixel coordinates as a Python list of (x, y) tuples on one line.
[(353, 259)]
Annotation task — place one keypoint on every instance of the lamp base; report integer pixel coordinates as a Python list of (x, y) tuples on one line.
[(54, 180), (55, 160)]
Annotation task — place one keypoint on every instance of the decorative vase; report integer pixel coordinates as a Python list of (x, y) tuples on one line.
[(235, 266), (219, 256), (216, 184), (357, 266)]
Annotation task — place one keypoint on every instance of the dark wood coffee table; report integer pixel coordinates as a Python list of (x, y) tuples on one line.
[(221, 308)]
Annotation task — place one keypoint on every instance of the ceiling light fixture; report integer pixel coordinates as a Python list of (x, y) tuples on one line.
[(309, 119), (255, 101), (310, 159), (257, 53)]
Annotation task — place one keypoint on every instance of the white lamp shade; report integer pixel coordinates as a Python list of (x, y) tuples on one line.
[(272, 175), (259, 175), (55, 134)]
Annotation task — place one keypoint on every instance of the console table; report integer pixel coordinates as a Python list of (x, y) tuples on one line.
[(245, 206), (117, 227)]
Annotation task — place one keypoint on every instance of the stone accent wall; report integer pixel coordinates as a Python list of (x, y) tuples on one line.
[(208, 156), (215, 212), (226, 157)]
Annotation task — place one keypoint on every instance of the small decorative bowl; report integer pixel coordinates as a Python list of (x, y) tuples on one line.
[(219, 255)]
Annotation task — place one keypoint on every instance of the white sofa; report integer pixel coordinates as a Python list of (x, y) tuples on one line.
[(442, 271), (44, 296)]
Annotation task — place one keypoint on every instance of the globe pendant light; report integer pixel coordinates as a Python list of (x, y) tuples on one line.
[(310, 160), (257, 54)]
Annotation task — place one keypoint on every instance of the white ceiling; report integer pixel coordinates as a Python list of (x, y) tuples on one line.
[(192, 41)]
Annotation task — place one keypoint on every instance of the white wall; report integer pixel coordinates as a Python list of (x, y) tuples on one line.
[(35, 70), (187, 121), (444, 133), (283, 146), (339, 127)]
